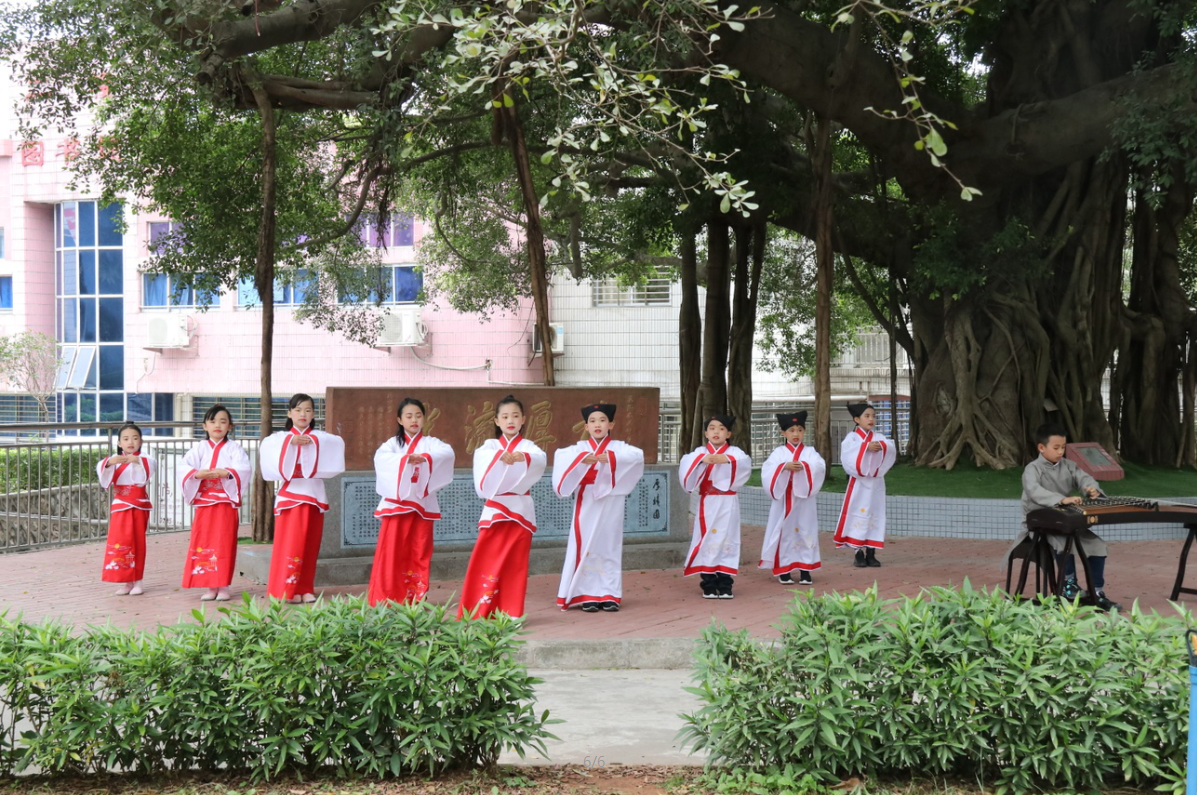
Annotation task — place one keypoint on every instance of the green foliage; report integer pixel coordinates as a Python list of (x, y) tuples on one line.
[(951, 682), (268, 690), (786, 313), (952, 261), (29, 469)]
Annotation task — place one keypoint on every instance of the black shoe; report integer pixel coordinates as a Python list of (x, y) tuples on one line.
[(860, 559), (609, 607), (709, 595), (725, 595), (590, 607), (804, 578), (1071, 590), (786, 579), (871, 559), (1103, 602)]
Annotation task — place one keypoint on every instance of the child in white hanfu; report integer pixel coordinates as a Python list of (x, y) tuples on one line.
[(299, 458), (505, 469), (716, 471), (128, 473), (601, 472), (410, 468), (793, 475), (215, 477), (866, 455)]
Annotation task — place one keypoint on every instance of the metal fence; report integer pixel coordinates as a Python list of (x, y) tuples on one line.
[(50, 493)]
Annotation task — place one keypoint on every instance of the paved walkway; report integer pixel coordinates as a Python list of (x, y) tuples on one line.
[(64, 583)]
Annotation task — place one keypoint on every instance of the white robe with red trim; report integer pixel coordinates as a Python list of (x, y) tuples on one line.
[(505, 486), (129, 482), (226, 454), (792, 534), (411, 488), (324, 458), (593, 570), (715, 543), (862, 517)]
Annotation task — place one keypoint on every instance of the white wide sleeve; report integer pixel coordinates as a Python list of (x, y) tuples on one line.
[(809, 482), (691, 469), (773, 477), (440, 468), (104, 472), (329, 457), (192, 462), (568, 469), (272, 459), (741, 467), (234, 458), (386, 469), (849, 452), (620, 477), (530, 470)]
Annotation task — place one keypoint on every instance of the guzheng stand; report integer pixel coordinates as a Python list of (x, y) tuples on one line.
[(1053, 576), (1179, 588), (1070, 520)]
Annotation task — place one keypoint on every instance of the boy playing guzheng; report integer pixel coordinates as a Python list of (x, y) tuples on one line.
[(1049, 482)]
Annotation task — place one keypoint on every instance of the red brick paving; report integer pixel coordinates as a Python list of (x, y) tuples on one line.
[(65, 583)]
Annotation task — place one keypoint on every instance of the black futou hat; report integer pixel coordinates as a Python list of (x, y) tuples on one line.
[(856, 409), (606, 408), (727, 420), (787, 421)]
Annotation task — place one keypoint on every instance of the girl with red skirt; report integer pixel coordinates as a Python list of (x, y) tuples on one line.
[(215, 474), (128, 473), (504, 470), (410, 468), (299, 459)]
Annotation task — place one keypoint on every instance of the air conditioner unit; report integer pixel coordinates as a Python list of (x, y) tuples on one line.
[(556, 337), (402, 328), (168, 331)]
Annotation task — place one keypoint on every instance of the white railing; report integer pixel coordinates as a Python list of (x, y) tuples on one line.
[(49, 492)]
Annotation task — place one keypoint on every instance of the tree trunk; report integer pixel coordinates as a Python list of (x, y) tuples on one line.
[(689, 345), (750, 248), (1160, 325), (512, 128), (262, 505), (825, 271), (717, 325)]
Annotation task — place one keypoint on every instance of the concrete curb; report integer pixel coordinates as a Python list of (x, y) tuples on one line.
[(589, 655)]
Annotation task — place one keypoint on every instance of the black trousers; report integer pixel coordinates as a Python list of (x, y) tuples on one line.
[(717, 582)]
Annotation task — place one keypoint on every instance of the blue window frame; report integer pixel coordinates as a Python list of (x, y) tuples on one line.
[(292, 294), (390, 284), (163, 289), (5, 292)]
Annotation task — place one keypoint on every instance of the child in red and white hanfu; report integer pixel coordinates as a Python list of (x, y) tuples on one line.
[(299, 459), (601, 472), (793, 475), (215, 475), (866, 455), (128, 473), (505, 468), (409, 468), (716, 471)]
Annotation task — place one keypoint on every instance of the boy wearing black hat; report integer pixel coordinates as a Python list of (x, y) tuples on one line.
[(866, 455), (793, 475), (716, 471), (602, 472)]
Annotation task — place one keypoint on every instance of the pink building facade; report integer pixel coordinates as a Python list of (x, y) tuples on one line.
[(132, 348)]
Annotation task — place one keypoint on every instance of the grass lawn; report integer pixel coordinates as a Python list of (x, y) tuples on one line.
[(968, 481)]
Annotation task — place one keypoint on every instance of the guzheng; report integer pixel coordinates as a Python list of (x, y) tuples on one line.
[(1110, 510), (1069, 519)]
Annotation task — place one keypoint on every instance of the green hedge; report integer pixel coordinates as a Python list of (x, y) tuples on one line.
[(963, 683), (26, 469), (268, 689)]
